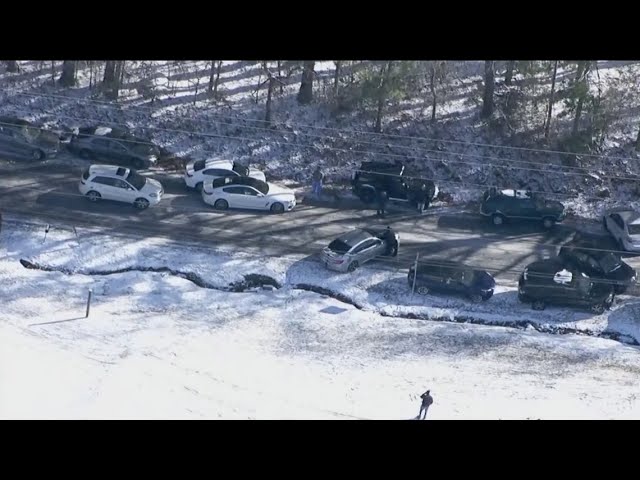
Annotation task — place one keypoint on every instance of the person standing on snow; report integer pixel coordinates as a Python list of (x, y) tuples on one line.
[(316, 184), (427, 400), (381, 201)]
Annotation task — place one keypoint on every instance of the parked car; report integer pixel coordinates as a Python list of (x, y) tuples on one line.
[(623, 224), (446, 276), (349, 251), (24, 139), (552, 281), (595, 257), (393, 179), (109, 182), (247, 192), (196, 171), (114, 145), (510, 204)]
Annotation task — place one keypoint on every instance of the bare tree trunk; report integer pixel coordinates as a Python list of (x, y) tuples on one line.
[(120, 75), (547, 123), (264, 66), (12, 66), (217, 80), (489, 84), (68, 76), (336, 77), (638, 140), (90, 74), (280, 77), (382, 94), (53, 72), (211, 76), (508, 75), (109, 72), (580, 82), (432, 86), (267, 114), (305, 95)]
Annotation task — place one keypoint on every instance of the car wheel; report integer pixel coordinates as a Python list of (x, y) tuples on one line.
[(609, 301), (538, 305), (476, 298), (619, 289), (422, 290), (367, 196), (93, 196), (86, 154), (394, 251), (277, 208), (141, 203), (352, 267), (598, 308), (497, 219), (548, 222), (221, 204), (37, 154), (199, 187)]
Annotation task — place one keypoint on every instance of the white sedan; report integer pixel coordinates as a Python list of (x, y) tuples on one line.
[(624, 225), (247, 192), (197, 171)]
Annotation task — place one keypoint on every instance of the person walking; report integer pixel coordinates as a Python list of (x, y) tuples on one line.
[(427, 400), (422, 198), (316, 184), (381, 201)]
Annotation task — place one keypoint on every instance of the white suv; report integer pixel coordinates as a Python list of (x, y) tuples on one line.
[(121, 184), (196, 172)]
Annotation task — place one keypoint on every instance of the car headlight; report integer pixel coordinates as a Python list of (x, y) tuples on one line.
[(153, 195)]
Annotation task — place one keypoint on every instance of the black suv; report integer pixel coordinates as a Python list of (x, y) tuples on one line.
[(452, 277), (115, 146), (552, 281), (392, 178), (596, 258), (24, 139), (521, 205)]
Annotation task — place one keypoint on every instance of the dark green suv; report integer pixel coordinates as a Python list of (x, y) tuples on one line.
[(503, 205)]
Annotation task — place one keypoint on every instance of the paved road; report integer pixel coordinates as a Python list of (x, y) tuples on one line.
[(49, 193)]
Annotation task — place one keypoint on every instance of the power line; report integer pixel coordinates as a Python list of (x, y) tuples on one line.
[(302, 145), (376, 134)]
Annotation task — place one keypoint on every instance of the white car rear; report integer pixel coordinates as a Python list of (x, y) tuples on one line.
[(196, 172), (109, 182), (624, 225), (249, 193)]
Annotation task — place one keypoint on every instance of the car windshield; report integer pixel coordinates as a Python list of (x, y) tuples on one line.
[(609, 262), (339, 246), (144, 148), (634, 229), (137, 180)]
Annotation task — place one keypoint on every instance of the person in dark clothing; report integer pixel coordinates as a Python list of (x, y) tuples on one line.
[(390, 238), (422, 198), (317, 178), (427, 400), (381, 201)]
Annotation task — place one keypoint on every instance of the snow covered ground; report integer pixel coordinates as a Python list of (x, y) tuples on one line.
[(157, 345)]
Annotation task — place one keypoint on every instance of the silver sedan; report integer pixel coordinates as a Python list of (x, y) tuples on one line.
[(347, 252)]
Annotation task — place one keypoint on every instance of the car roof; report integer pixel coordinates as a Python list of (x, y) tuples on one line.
[(213, 162), (109, 170), (382, 167), (516, 193), (354, 237), (221, 182), (630, 217)]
